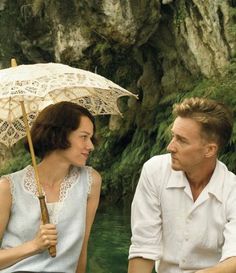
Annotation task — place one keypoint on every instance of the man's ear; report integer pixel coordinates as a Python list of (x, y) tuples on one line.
[(211, 150)]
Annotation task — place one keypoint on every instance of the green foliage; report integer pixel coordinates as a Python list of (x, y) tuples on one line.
[(8, 26), (37, 6), (232, 26), (103, 51), (181, 12), (20, 159), (112, 61)]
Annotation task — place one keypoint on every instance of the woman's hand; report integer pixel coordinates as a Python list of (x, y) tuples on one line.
[(46, 237)]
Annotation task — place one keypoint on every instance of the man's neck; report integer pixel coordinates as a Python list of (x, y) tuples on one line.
[(200, 178)]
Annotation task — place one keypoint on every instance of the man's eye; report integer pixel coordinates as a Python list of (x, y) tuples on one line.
[(182, 140)]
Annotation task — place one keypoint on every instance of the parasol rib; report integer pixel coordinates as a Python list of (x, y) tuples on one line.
[(27, 129)]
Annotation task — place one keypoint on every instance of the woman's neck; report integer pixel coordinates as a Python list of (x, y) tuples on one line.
[(52, 170)]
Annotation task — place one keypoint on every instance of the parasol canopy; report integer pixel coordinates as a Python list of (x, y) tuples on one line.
[(39, 85)]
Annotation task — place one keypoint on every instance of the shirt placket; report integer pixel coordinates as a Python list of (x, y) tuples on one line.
[(189, 224)]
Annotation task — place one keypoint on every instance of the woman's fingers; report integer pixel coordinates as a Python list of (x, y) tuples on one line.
[(49, 234), (46, 237)]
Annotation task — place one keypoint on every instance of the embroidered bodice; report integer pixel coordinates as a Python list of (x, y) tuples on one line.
[(67, 183), (69, 215)]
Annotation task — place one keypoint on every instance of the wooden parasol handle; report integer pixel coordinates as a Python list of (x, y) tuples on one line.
[(45, 217), (43, 206)]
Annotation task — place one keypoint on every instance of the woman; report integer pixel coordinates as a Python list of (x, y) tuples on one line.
[(63, 137)]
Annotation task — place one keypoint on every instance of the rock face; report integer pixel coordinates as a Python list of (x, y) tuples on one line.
[(180, 37), (151, 47), (197, 34), (208, 39)]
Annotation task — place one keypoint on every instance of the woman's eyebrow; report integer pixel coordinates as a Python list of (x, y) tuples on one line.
[(85, 132)]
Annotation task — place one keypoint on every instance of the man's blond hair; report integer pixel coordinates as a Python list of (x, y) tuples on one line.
[(215, 118)]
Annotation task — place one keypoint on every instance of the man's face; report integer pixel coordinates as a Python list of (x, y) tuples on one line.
[(187, 146)]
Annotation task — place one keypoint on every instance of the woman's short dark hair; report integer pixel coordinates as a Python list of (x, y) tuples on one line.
[(54, 124)]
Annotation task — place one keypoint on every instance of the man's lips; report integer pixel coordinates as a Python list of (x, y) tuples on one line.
[(173, 157), (86, 155)]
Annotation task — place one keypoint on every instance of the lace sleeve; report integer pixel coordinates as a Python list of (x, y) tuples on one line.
[(90, 179)]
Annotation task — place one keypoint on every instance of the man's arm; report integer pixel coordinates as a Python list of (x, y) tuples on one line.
[(140, 265), (146, 224), (227, 266)]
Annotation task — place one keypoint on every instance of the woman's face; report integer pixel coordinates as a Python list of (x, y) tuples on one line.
[(81, 143)]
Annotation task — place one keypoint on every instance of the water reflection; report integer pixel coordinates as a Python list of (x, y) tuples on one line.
[(109, 241)]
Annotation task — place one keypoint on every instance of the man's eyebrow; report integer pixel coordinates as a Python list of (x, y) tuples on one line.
[(179, 136)]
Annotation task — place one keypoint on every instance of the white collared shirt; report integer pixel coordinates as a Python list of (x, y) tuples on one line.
[(167, 225)]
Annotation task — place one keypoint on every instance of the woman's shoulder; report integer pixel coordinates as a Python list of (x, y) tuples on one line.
[(96, 175), (95, 179), (4, 182), (88, 174), (5, 186), (9, 182)]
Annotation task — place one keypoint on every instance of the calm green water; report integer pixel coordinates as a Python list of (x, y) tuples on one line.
[(109, 241)]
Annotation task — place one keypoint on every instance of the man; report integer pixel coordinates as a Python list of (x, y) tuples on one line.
[(184, 208)]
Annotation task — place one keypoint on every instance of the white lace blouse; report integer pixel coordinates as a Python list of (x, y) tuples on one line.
[(69, 214)]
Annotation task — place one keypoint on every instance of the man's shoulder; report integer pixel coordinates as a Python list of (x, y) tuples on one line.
[(222, 168), (158, 159), (158, 163)]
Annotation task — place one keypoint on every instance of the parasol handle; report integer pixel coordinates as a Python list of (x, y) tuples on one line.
[(44, 211), (43, 207), (45, 217)]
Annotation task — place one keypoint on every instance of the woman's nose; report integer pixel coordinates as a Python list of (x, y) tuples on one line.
[(90, 145)]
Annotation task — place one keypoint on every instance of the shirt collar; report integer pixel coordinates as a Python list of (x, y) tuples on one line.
[(216, 182), (178, 180)]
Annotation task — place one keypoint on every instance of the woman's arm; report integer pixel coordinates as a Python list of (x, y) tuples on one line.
[(45, 237), (92, 205)]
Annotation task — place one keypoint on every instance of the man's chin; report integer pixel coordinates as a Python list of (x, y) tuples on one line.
[(175, 167)]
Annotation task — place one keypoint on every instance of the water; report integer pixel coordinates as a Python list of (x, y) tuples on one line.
[(109, 241)]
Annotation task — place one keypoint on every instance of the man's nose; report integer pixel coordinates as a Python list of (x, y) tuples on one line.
[(171, 146)]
